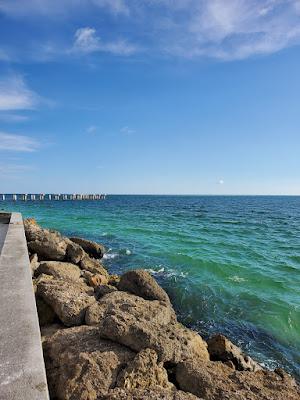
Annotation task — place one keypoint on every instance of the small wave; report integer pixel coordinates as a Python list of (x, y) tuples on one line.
[(126, 252), (110, 256), (237, 279), (158, 271)]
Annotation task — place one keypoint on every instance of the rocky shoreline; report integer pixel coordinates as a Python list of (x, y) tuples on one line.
[(117, 337)]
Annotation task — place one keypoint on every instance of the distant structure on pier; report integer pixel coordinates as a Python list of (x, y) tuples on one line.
[(51, 197)]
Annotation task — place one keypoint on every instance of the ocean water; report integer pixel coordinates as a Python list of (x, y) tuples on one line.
[(230, 264)]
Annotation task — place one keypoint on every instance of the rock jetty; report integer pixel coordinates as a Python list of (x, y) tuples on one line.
[(109, 337)]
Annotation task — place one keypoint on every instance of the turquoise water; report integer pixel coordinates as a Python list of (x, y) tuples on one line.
[(229, 264)]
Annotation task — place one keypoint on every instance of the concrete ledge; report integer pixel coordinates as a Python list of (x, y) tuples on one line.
[(22, 369)]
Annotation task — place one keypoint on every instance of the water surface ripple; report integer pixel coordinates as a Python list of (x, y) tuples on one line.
[(230, 264)]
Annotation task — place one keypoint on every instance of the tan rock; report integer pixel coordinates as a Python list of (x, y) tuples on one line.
[(60, 270), (139, 324), (144, 372), (74, 252), (93, 266), (68, 300), (148, 394), (215, 381), (97, 279), (80, 365), (222, 349), (93, 249), (141, 283), (102, 290)]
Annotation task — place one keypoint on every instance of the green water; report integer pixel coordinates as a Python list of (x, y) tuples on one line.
[(229, 264)]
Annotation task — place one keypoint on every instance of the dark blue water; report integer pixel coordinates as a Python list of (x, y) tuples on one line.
[(229, 264)]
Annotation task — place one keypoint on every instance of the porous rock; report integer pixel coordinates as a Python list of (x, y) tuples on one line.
[(141, 283), (102, 290), (148, 394), (93, 249), (222, 349), (47, 244), (60, 270), (92, 265), (68, 300), (144, 372), (82, 366), (138, 323), (215, 381), (74, 252)]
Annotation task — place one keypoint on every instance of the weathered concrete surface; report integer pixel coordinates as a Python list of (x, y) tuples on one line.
[(22, 370)]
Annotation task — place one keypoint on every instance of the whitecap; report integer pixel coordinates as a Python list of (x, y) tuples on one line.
[(236, 278), (110, 256)]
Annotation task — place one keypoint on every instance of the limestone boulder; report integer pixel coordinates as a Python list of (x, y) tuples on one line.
[(215, 381), (68, 300), (93, 249), (102, 290), (82, 366), (60, 270), (47, 244), (139, 324), (222, 349), (74, 252), (141, 283), (92, 265), (148, 394), (144, 371)]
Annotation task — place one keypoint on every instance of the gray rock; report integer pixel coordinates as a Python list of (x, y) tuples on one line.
[(141, 283), (93, 249), (60, 270), (68, 300)]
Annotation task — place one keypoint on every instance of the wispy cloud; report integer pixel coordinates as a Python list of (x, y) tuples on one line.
[(92, 129), (219, 29), (15, 94), (17, 143), (87, 41), (21, 8), (126, 130), (11, 117), (14, 171)]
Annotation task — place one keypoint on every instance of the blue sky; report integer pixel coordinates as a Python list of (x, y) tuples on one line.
[(150, 96)]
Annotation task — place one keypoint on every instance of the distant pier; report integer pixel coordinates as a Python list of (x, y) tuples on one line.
[(50, 197)]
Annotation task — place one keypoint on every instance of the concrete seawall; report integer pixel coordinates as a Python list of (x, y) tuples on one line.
[(22, 369)]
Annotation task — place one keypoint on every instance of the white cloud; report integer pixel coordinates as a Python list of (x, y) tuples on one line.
[(220, 29), (87, 41), (17, 143), (221, 182), (15, 94)]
